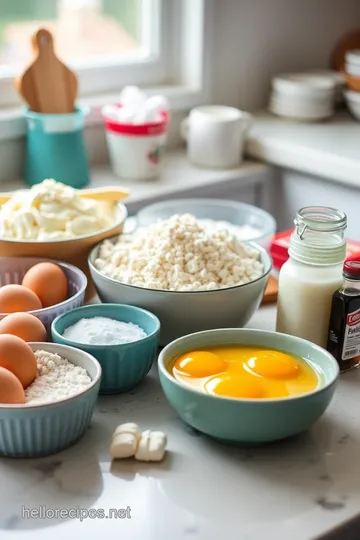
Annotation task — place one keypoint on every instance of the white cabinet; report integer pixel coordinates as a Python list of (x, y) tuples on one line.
[(290, 190)]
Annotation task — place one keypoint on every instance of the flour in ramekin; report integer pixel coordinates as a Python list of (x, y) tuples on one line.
[(56, 379)]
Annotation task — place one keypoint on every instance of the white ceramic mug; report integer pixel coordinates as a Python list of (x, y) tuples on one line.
[(215, 135)]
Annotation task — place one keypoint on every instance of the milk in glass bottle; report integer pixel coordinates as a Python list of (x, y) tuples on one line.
[(312, 273)]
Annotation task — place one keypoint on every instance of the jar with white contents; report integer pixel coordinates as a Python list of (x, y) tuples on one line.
[(312, 273)]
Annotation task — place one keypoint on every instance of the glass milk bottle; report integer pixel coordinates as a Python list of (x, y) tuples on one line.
[(312, 273)]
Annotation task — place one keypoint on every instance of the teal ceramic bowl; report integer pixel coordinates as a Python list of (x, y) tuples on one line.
[(249, 421), (123, 366)]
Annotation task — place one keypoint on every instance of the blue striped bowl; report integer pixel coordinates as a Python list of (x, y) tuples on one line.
[(123, 366), (40, 430)]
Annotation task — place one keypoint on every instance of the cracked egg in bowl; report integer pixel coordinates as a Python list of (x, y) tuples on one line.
[(247, 386)]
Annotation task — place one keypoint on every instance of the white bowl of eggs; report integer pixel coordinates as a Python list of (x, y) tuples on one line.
[(41, 287)]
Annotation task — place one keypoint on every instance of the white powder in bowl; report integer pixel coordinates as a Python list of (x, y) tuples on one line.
[(56, 379), (103, 331)]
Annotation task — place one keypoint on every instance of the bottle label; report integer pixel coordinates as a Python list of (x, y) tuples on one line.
[(351, 347)]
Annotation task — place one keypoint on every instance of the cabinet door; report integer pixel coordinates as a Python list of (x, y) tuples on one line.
[(295, 190)]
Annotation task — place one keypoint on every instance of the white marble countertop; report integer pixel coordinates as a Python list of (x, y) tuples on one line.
[(328, 149), (299, 489)]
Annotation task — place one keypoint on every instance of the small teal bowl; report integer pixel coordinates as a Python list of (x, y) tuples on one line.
[(123, 366), (249, 421)]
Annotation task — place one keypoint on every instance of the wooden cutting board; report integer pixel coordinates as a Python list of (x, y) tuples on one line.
[(271, 291), (47, 85), (348, 42)]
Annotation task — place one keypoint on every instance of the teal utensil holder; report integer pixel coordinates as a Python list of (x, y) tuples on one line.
[(55, 148)]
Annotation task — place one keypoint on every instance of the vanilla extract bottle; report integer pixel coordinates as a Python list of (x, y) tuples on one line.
[(344, 329)]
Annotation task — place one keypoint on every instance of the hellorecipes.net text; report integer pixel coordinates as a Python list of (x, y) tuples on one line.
[(44, 512)]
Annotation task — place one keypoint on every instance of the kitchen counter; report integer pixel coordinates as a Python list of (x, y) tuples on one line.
[(300, 489), (328, 149), (178, 179)]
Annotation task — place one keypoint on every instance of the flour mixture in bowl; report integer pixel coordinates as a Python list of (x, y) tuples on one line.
[(179, 254), (56, 379)]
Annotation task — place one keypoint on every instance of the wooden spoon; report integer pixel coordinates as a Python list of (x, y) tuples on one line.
[(109, 194), (47, 85)]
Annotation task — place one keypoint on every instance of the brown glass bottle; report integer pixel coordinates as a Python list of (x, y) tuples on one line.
[(344, 327)]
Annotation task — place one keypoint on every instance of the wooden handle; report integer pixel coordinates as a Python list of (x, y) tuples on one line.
[(5, 197), (47, 85), (105, 194), (271, 291), (43, 42), (109, 194)]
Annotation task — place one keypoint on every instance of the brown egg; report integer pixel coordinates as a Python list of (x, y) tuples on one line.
[(18, 298), (11, 390), (23, 325), (48, 282), (17, 356)]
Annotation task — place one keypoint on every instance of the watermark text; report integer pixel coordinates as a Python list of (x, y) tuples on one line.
[(44, 512)]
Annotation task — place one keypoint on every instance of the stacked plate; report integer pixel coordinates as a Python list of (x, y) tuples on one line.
[(352, 77), (303, 96), (352, 66), (339, 80)]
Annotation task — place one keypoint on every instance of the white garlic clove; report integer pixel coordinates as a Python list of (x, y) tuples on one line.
[(157, 445), (123, 446), (128, 427), (142, 452)]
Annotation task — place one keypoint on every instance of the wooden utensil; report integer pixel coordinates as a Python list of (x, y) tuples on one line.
[(271, 291), (47, 85), (109, 194), (349, 41)]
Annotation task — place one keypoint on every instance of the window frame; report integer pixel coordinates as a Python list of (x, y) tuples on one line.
[(178, 67)]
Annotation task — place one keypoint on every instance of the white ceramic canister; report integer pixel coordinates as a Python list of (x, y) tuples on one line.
[(312, 273), (216, 135), (136, 150)]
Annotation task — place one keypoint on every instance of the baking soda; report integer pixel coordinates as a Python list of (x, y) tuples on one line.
[(103, 331)]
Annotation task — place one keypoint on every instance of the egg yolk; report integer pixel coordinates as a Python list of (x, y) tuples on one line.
[(273, 365), (234, 385), (199, 364)]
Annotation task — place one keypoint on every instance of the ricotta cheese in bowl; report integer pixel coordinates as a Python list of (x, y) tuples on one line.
[(180, 254), (191, 278), (53, 211), (54, 221)]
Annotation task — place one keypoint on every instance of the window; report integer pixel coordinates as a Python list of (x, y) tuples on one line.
[(110, 43), (85, 30)]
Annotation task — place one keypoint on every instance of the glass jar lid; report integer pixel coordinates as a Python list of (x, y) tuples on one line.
[(318, 237)]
